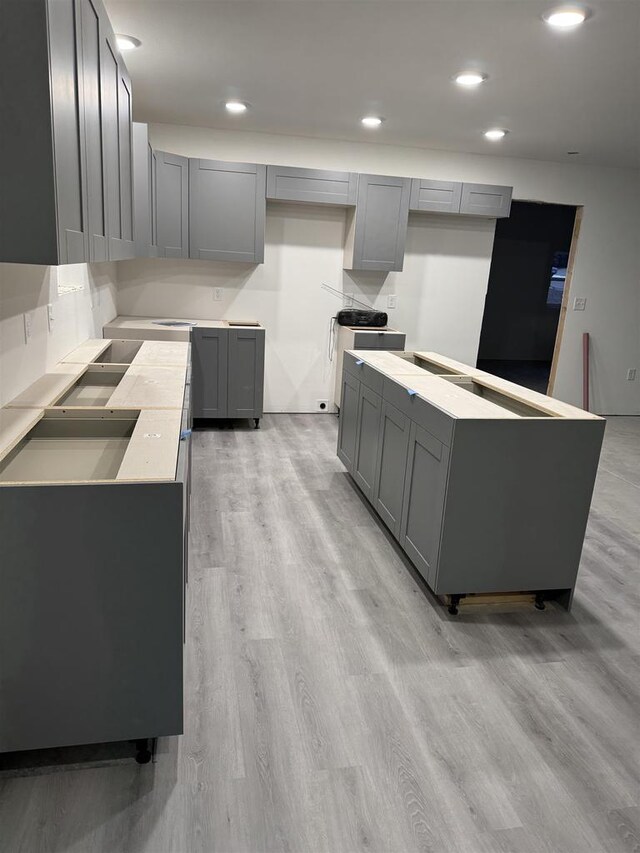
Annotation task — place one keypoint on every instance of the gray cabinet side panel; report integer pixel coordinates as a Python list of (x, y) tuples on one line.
[(435, 196), (90, 631), (367, 433), (349, 400), (141, 189), (382, 215), (423, 503), (486, 200), (210, 354), (172, 205), (28, 232), (245, 373), (68, 131), (226, 211), (110, 83), (391, 466), (520, 491), (127, 247), (92, 99)]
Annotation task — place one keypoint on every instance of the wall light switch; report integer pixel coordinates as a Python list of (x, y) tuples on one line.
[(348, 300), (579, 303), (217, 294), (392, 301), (50, 317), (28, 322)]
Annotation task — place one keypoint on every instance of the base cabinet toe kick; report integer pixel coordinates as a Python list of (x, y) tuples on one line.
[(485, 485)]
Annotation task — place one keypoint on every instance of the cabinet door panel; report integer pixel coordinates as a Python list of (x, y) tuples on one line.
[(378, 231), (226, 211), (486, 200), (172, 205), (423, 504), (391, 466), (246, 373), (127, 248), (367, 433), (349, 399), (92, 98), (435, 196), (209, 352), (110, 84), (65, 51), (315, 186)]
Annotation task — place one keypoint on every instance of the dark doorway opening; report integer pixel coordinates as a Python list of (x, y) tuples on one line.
[(530, 267)]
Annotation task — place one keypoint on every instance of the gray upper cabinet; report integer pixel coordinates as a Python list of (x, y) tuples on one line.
[(43, 204), (314, 186), (66, 102), (377, 229), (435, 196), (486, 200), (227, 206), (172, 205), (144, 193)]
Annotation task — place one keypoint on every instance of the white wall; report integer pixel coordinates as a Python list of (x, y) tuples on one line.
[(449, 311), (77, 316)]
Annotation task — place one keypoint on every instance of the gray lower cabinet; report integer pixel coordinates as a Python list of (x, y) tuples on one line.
[(486, 200), (377, 228), (393, 447), (367, 433), (347, 429), (435, 196), (313, 186), (227, 378), (91, 623), (423, 502), (172, 205), (227, 207)]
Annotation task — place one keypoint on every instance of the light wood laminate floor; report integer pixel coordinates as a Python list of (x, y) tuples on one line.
[(332, 704)]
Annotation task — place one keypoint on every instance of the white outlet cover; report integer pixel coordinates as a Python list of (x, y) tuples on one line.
[(217, 294), (392, 301), (28, 322), (631, 374), (579, 303)]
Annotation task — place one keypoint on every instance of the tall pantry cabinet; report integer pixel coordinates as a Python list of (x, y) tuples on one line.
[(66, 164)]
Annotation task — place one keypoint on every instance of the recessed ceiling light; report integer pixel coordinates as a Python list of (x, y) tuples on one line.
[(495, 133), (470, 79), (372, 121), (127, 42), (236, 107), (566, 17)]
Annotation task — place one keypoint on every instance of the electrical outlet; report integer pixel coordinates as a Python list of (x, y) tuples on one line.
[(579, 303), (217, 294), (631, 374), (348, 300), (28, 322), (50, 317), (322, 405), (392, 301)]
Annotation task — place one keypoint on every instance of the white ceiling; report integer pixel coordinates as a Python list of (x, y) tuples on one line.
[(314, 67)]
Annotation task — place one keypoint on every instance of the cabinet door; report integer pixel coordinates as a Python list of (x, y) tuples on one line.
[(393, 445), (435, 196), (378, 229), (423, 502), (245, 373), (65, 57), (172, 205), (226, 211), (486, 200), (93, 122), (209, 354), (315, 186), (109, 84), (125, 122), (349, 399), (367, 434)]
